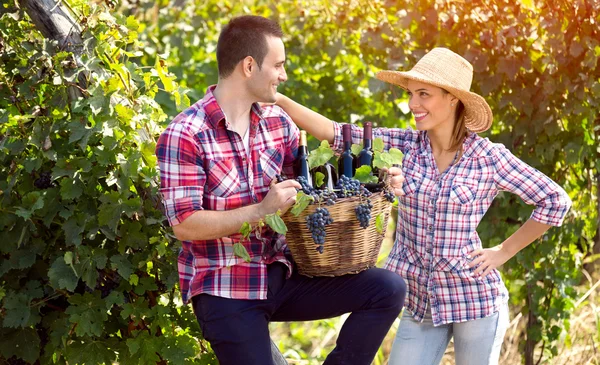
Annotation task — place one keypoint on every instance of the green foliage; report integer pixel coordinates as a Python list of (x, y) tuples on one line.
[(87, 265), (321, 155)]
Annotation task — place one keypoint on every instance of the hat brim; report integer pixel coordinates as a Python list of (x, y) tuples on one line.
[(478, 114)]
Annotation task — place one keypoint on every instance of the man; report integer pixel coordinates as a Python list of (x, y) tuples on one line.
[(217, 161)]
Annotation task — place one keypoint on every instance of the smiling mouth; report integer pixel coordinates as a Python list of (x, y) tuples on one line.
[(420, 116)]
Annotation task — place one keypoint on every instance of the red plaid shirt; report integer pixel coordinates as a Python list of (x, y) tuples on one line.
[(204, 165), (438, 216)]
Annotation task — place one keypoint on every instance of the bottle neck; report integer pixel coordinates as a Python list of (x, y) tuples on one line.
[(367, 144)]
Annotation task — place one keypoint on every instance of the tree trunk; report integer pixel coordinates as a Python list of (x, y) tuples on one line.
[(56, 23), (529, 342)]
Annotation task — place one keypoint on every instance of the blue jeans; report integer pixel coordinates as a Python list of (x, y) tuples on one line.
[(476, 342), (238, 329)]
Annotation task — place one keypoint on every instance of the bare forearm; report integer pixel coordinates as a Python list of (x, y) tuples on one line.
[(529, 232), (208, 224), (314, 123)]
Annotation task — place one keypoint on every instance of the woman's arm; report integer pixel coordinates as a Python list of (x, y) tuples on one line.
[(491, 258), (314, 123), (551, 201)]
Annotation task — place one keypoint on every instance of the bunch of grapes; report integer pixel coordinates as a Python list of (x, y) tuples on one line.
[(306, 188), (389, 195), (316, 224), (363, 213), (348, 187), (44, 181), (324, 196)]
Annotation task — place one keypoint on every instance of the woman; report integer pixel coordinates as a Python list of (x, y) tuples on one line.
[(451, 176)]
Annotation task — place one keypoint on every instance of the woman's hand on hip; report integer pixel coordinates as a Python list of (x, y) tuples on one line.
[(487, 259)]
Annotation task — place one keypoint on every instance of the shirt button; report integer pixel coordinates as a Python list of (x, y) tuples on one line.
[(430, 228), (428, 250)]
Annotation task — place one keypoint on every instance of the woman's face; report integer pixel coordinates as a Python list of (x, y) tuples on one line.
[(431, 106)]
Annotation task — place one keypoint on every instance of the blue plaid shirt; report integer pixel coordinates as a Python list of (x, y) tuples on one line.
[(438, 216)]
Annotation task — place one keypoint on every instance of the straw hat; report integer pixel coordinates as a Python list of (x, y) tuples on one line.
[(443, 68)]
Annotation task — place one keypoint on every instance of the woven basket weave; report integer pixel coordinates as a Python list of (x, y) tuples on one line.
[(348, 249)]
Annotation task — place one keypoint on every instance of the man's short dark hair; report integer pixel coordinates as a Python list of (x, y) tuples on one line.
[(244, 36)]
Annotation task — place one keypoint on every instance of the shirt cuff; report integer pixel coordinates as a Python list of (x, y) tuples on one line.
[(338, 138)]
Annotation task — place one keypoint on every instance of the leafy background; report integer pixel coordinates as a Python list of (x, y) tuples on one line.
[(87, 264)]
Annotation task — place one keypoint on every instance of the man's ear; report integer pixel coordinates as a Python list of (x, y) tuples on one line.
[(248, 65)]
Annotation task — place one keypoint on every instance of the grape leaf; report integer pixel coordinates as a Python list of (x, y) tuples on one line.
[(276, 223), (363, 174), (321, 155), (302, 201), (73, 228), (122, 265), (397, 156), (31, 202), (144, 347), (245, 230), (17, 310), (378, 145), (356, 148), (240, 251), (61, 276), (88, 311), (23, 343), (71, 188), (319, 178), (92, 352), (177, 349)]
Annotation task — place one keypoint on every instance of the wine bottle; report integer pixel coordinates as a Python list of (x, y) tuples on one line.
[(346, 160), (302, 167), (365, 157)]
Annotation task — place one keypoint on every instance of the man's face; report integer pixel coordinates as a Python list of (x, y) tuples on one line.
[(264, 81)]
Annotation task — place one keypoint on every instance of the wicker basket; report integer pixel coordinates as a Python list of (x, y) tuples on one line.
[(348, 249)]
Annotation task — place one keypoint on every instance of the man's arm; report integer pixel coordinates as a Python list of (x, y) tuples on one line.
[(314, 123), (207, 224)]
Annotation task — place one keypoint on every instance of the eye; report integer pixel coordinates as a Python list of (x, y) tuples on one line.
[(423, 94)]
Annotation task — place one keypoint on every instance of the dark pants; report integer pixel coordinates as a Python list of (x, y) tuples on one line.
[(238, 329)]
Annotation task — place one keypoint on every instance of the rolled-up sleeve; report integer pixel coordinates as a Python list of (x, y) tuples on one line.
[(551, 201), (182, 175)]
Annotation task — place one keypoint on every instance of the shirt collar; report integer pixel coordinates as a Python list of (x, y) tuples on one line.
[(467, 144), (216, 116)]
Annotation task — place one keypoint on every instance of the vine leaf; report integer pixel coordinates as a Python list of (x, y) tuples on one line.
[(276, 223), (363, 174), (321, 155), (302, 202), (240, 251)]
